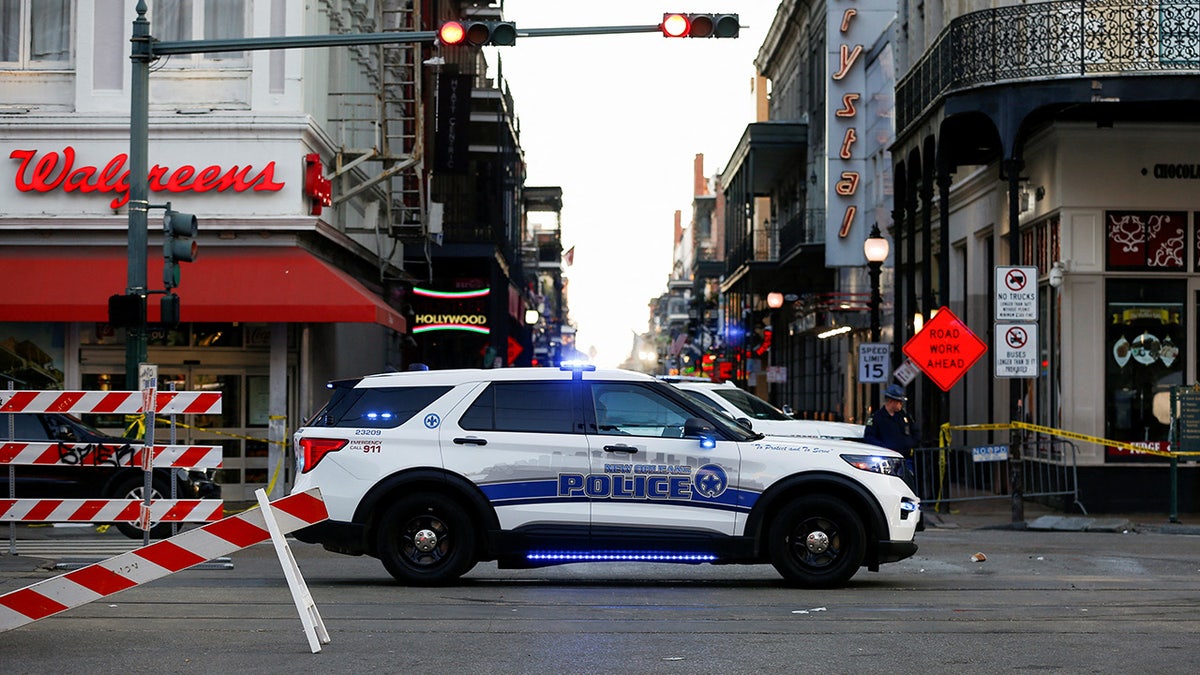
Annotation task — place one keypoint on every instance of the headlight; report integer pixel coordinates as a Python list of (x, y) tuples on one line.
[(886, 465)]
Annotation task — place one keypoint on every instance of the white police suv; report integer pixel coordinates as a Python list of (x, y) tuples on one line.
[(435, 471)]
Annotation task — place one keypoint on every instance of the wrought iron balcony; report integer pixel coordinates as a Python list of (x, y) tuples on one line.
[(1068, 38)]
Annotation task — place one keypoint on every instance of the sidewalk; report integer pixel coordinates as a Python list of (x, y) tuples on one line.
[(997, 514)]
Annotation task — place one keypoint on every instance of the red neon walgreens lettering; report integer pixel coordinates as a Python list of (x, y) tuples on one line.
[(53, 171), (314, 450)]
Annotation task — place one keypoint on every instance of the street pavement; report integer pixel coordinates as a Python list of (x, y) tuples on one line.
[(45, 546)]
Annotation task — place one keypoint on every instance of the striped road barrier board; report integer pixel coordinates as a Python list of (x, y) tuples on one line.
[(102, 579), (107, 454), (109, 402), (109, 510)]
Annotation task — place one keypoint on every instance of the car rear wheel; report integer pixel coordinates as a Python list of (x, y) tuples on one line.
[(425, 540), (817, 542), (132, 488)]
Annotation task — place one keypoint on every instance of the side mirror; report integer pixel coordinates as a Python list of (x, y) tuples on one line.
[(745, 421), (694, 427), (63, 432), (787, 410)]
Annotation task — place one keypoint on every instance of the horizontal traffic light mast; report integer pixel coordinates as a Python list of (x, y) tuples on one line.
[(723, 25)]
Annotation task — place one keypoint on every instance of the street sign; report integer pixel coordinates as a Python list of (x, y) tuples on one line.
[(1016, 350), (1016, 293), (874, 360), (944, 349), (989, 453), (906, 372)]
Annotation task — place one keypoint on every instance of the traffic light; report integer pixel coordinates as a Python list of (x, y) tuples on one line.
[(478, 33), (168, 307), (676, 25), (179, 244), (125, 311)]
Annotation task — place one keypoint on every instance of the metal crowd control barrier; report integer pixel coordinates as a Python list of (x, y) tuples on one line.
[(956, 474), (87, 455)]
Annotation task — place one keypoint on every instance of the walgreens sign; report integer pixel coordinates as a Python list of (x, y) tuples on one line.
[(50, 171)]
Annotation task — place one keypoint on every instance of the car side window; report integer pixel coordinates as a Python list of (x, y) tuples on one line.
[(26, 427), (377, 408), (539, 407), (625, 409)]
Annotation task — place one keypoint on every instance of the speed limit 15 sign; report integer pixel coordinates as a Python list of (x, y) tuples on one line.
[(874, 361)]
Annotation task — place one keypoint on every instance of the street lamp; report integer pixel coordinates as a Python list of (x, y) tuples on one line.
[(876, 249)]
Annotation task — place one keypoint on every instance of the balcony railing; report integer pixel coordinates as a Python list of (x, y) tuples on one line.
[(1068, 38)]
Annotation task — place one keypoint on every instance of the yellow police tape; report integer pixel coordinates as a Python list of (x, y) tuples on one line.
[(137, 425), (944, 436)]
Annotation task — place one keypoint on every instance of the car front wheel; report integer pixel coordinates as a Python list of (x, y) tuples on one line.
[(817, 542), (425, 540)]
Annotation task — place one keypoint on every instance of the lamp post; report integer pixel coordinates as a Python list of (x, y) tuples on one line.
[(875, 248)]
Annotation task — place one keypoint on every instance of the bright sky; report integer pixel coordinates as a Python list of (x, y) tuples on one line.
[(616, 121)]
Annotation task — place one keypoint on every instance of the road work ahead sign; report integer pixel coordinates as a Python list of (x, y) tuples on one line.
[(945, 349)]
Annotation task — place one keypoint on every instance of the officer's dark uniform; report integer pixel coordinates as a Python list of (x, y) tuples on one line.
[(896, 432)]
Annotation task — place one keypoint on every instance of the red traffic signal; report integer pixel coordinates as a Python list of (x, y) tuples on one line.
[(700, 25), (478, 33), (451, 33)]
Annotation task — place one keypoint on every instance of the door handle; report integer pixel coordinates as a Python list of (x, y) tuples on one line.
[(470, 440), (627, 449)]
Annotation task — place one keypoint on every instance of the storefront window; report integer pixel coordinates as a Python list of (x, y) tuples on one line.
[(1143, 359), (31, 355), (1146, 240)]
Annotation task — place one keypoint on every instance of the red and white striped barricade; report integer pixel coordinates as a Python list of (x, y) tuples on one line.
[(109, 510), (109, 402), (89, 454), (42, 453), (184, 550)]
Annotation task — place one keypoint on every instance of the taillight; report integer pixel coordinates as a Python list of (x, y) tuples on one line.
[(314, 450)]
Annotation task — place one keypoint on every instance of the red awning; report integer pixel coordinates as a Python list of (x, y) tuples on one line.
[(251, 285)]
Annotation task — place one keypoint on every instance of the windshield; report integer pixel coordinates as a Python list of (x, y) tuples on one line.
[(721, 419), (721, 414), (753, 406)]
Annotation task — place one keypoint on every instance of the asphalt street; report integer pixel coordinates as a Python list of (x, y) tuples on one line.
[(1098, 595)]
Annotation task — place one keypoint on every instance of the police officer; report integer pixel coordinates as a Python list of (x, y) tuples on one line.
[(892, 427)]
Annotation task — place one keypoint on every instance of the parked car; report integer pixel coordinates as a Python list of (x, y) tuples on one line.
[(760, 415), (94, 478), (435, 471)]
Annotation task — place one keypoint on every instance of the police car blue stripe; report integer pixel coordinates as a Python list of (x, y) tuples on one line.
[(546, 492)]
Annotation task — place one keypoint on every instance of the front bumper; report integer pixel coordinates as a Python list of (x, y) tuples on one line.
[(894, 551)]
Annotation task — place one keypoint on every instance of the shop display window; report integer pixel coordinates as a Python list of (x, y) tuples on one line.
[(1146, 240), (1144, 357)]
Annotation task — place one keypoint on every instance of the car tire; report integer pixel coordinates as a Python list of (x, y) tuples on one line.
[(817, 542), (131, 488), (426, 540)]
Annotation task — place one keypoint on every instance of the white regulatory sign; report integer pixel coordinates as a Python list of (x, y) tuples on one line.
[(1016, 350), (989, 453), (874, 361), (1016, 293)]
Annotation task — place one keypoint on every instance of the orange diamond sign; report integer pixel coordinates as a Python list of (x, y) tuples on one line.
[(945, 349)]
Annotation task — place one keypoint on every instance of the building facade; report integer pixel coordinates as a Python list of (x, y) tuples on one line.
[(802, 189), (1059, 136)]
